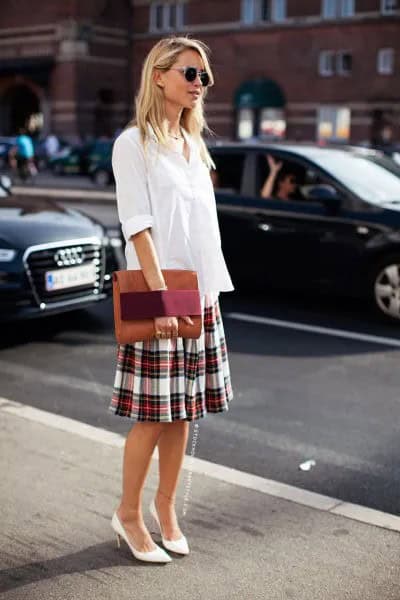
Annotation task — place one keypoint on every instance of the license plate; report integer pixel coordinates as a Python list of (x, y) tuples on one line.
[(70, 277)]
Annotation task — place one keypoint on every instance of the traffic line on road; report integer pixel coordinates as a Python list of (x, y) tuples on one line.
[(269, 487), (65, 193), (342, 333)]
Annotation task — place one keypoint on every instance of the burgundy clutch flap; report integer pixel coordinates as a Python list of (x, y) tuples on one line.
[(159, 303), (136, 306)]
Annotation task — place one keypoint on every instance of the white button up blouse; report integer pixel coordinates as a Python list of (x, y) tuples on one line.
[(174, 197)]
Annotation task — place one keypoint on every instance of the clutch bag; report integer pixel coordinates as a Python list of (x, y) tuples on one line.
[(135, 305)]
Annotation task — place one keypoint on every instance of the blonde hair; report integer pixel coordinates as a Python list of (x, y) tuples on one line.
[(149, 101)]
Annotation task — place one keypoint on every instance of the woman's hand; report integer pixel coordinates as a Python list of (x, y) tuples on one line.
[(274, 168), (167, 327), (274, 165)]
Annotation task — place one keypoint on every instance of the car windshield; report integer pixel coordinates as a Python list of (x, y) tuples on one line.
[(369, 180)]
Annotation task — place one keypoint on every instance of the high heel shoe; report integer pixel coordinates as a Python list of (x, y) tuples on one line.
[(157, 555), (179, 546)]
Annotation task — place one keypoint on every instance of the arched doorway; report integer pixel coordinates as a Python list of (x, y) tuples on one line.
[(260, 111), (17, 106)]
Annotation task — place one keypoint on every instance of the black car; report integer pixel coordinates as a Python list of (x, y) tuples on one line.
[(101, 172), (338, 232), (80, 159), (52, 259)]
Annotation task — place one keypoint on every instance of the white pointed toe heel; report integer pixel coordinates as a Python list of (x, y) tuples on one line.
[(157, 555), (179, 546)]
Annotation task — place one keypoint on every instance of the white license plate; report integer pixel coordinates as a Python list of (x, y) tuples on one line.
[(70, 277)]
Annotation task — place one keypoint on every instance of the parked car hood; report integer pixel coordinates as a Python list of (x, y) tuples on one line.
[(25, 221)]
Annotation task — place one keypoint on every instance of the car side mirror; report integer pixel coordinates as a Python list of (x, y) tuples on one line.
[(326, 194)]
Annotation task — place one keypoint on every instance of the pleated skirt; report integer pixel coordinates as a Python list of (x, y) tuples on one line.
[(165, 380)]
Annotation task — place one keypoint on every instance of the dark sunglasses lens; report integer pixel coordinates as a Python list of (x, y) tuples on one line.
[(190, 74), (204, 78)]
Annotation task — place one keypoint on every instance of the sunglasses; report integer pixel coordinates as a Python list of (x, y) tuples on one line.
[(190, 74)]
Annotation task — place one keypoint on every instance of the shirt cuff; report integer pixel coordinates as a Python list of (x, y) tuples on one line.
[(136, 224)]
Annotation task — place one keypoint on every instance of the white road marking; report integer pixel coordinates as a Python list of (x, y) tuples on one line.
[(342, 333), (220, 472), (64, 193)]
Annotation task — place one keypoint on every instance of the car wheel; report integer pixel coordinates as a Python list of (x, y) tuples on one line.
[(101, 177), (386, 287)]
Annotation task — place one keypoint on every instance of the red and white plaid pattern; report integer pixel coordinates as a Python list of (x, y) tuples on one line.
[(169, 379)]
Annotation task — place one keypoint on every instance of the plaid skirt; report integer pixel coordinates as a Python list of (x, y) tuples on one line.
[(172, 379)]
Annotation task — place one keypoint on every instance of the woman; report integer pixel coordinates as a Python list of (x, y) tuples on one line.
[(167, 209), (279, 184)]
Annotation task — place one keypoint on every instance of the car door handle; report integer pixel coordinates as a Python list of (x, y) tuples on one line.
[(265, 225)]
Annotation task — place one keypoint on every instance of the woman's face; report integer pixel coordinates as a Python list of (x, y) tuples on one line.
[(177, 90), (288, 184)]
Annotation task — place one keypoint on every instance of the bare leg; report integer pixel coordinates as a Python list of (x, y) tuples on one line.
[(139, 447), (171, 451)]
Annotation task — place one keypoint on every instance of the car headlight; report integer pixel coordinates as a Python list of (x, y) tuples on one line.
[(7, 255)]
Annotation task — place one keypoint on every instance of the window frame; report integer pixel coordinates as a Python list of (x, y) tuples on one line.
[(323, 54), (282, 4), (339, 63), (342, 4), (385, 10), (337, 9), (165, 18), (324, 9), (382, 54), (336, 108), (248, 12)]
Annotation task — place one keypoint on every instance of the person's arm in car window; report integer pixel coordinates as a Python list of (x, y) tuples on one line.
[(274, 168)]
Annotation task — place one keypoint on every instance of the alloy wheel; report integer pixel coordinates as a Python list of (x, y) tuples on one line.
[(387, 290)]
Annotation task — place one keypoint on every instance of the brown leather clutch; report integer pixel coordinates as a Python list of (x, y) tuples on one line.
[(135, 305)]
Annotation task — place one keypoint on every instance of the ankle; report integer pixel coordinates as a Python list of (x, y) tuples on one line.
[(129, 514), (163, 498)]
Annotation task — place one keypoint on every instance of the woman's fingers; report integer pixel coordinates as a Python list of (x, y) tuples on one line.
[(187, 320)]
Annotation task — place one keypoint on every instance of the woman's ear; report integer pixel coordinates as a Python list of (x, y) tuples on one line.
[(157, 79)]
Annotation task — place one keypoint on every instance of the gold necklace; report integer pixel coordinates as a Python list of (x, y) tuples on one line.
[(175, 137)]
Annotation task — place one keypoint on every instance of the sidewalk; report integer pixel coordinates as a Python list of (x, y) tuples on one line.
[(59, 489)]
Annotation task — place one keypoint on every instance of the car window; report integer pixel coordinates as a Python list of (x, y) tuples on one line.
[(293, 180), (369, 180), (276, 176), (227, 177)]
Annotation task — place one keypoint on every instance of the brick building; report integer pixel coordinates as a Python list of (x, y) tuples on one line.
[(303, 69), (68, 62)]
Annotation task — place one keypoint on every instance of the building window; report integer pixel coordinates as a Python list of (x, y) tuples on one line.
[(346, 8), (329, 9), (389, 7), (248, 12), (246, 123), (256, 11), (272, 123), (326, 66), (333, 9), (278, 10), (333, 123), (166, 16), (344, 62), (385, 61)]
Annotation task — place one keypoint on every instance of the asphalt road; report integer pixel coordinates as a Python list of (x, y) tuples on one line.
[(320, 394)]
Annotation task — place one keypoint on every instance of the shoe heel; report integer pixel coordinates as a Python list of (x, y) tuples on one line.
[(118, 541)]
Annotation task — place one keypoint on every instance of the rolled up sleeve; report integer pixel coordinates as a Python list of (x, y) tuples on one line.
[(133, 202)]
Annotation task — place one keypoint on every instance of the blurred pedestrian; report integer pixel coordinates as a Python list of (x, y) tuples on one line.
[(22, 156), (166, 205), (51, 145)]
